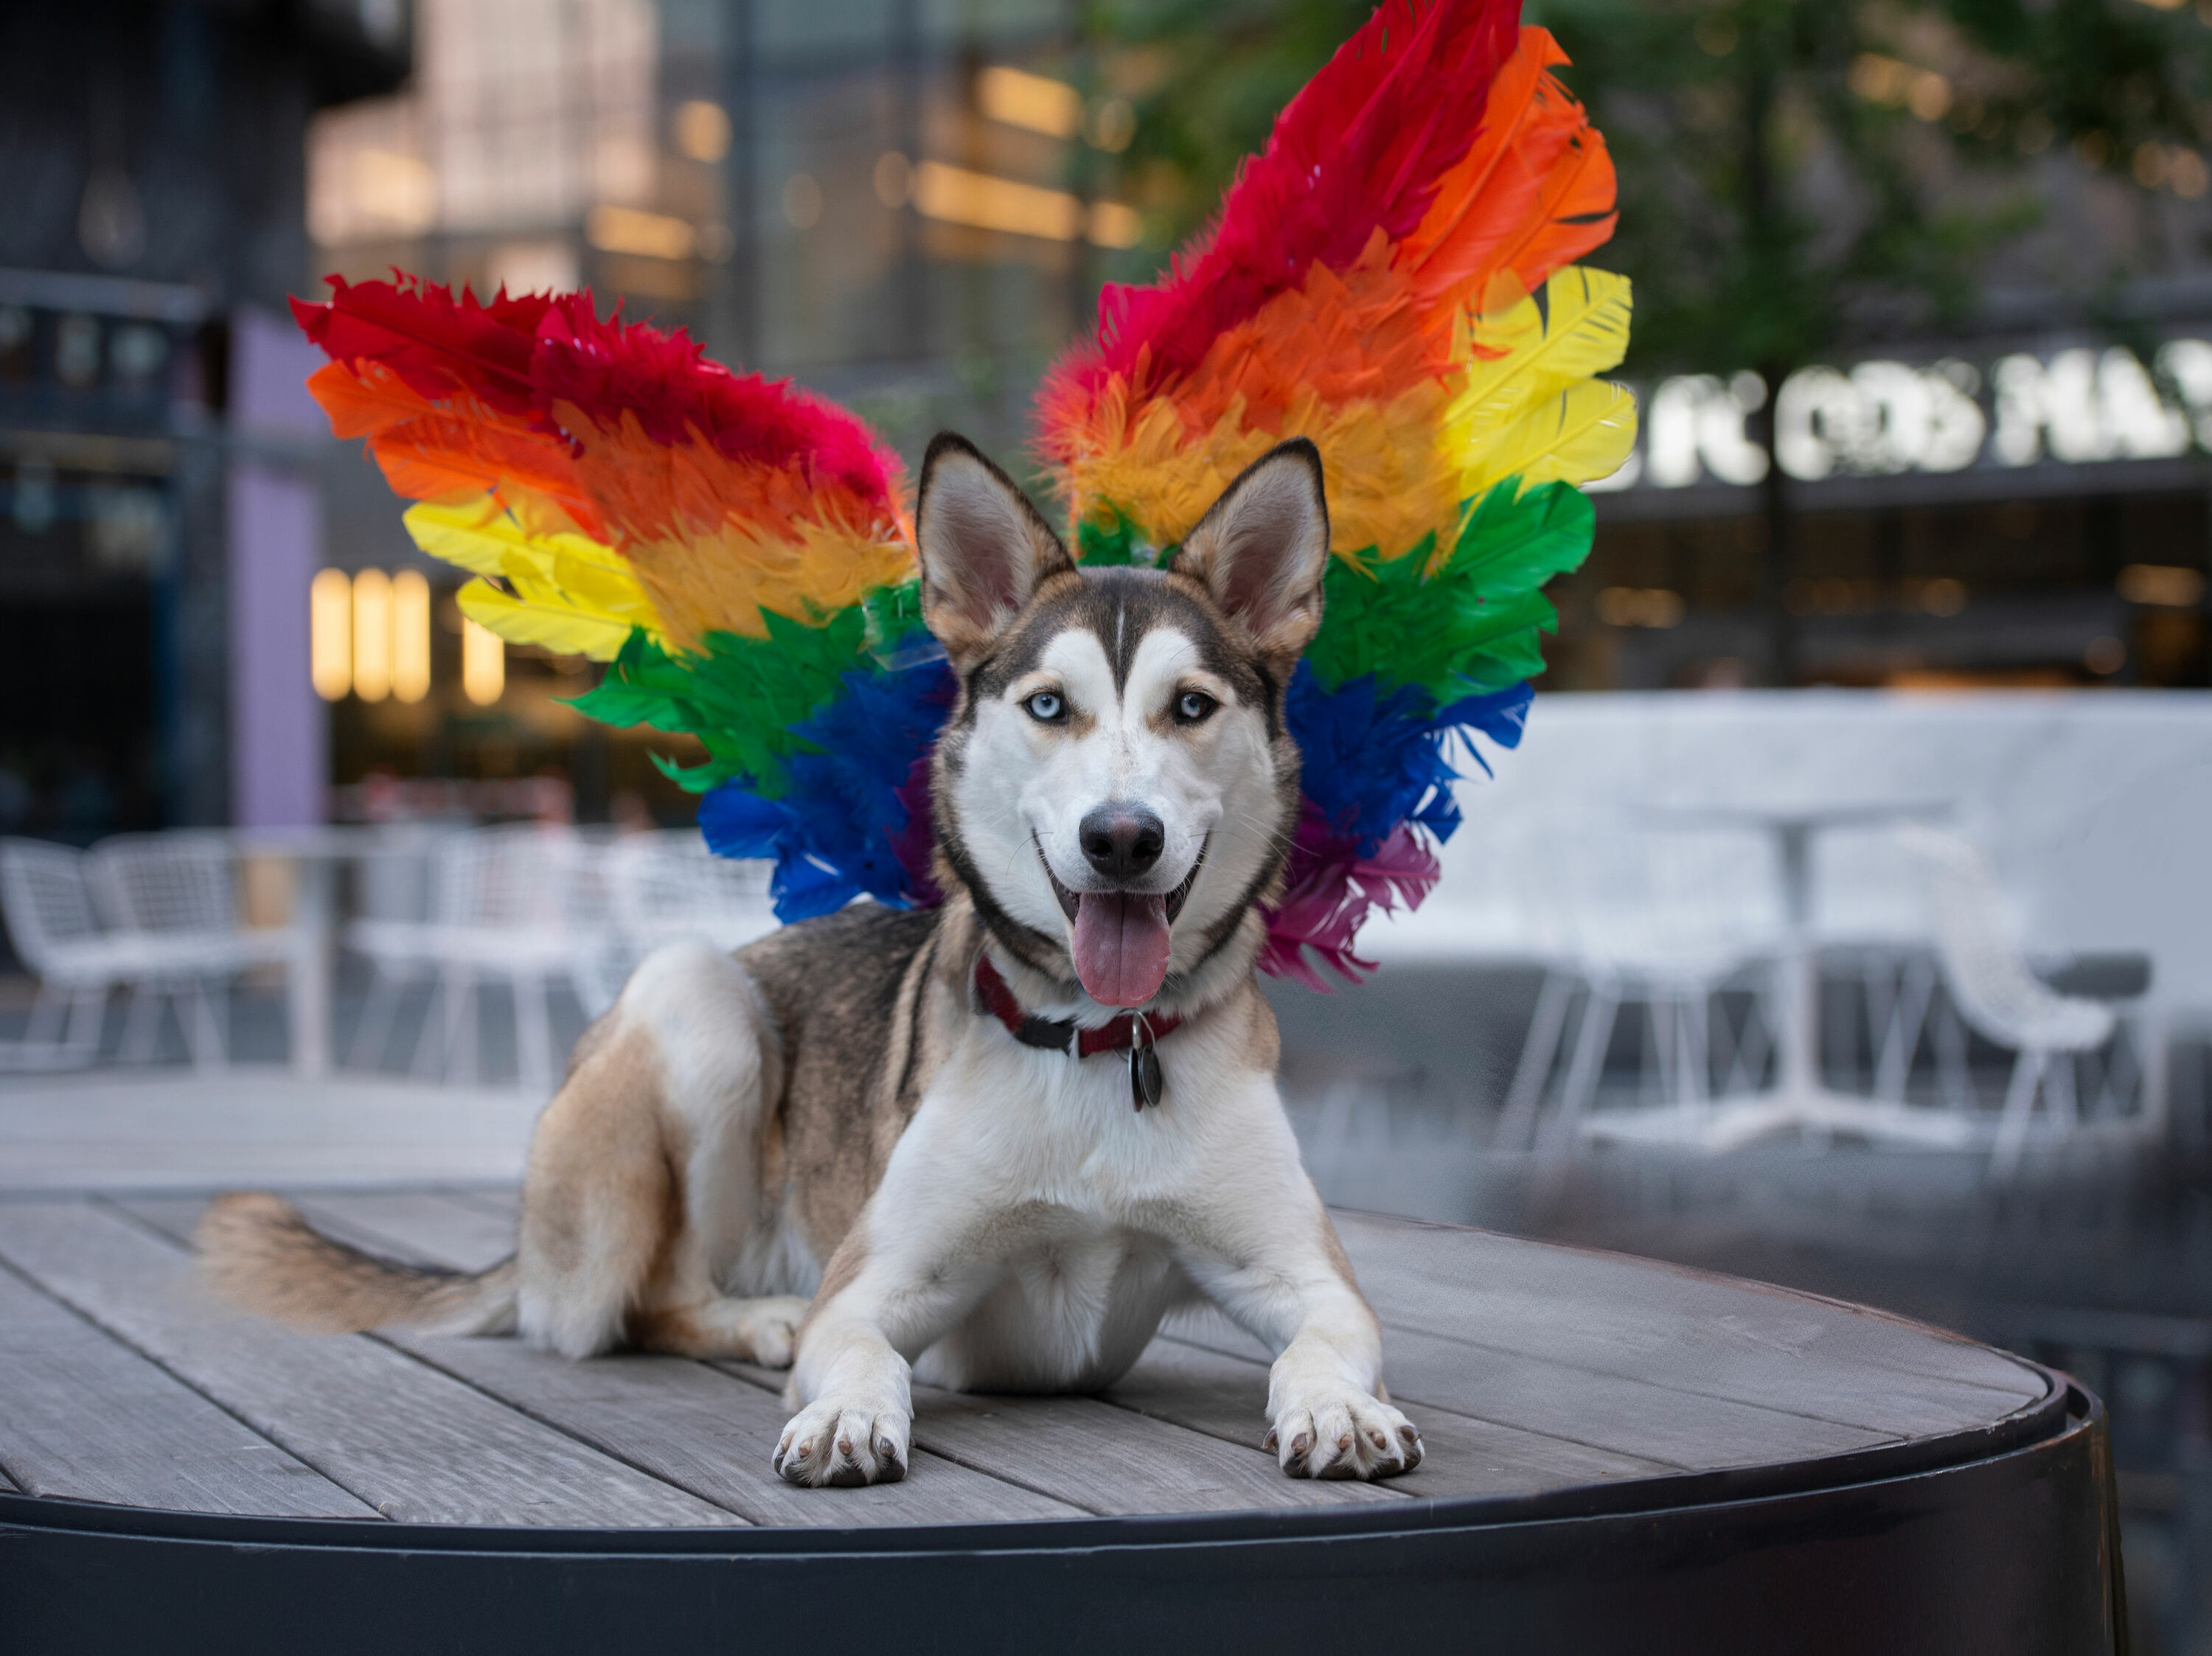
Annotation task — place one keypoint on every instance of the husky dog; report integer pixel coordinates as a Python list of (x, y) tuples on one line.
[(998, 1139)]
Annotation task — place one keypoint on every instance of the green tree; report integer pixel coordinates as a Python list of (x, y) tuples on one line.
[(1796, 176)]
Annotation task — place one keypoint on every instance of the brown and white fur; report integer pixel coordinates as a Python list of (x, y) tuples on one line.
[(832, 1112)]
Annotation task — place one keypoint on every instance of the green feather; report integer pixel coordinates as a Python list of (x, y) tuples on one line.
[(1475, 623), (739, 696), (1115, 540)]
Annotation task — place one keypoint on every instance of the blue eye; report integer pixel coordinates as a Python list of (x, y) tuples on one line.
[(1192, 705), (1046, 707)]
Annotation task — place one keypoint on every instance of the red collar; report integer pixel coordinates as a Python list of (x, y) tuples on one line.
[(1060, 1034)]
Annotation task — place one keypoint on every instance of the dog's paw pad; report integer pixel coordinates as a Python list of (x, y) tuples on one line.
[(1349, 1435), (829, 1442)]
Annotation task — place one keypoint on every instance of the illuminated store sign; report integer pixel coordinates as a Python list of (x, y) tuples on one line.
[(2079, 406)]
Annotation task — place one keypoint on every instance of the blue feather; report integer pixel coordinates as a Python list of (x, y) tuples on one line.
[(1375, 759), (832, 832)]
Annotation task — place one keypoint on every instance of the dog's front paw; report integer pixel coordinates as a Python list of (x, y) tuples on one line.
[(1347, 1435), (844, 1441), (768, 1326)]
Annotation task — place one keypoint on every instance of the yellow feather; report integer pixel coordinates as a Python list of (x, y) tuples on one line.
[(1398, 469), (1389, 483), (571, 594), (531, 616), (1530, 349), (1585, 431)]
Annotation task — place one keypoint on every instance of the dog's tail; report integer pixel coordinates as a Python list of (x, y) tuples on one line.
[(259, 1252)]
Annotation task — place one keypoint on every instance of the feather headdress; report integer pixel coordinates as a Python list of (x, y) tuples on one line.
[(1392, 278)]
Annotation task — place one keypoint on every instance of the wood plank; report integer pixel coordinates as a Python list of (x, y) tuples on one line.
[(1226, 1398), (503, 1200), (1684, 1430), (698, 1428), (1108, 1459), (431, 1225), (1086, 1448), (415, 1444), (1748, 1344), (1218, 1396), (83, 1416), (1417, 1260)]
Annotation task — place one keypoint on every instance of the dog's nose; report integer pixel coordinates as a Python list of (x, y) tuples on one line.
[(1122, 841)]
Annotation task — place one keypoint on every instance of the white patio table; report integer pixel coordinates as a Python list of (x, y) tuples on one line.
[(1797, 1098), (315, 854)]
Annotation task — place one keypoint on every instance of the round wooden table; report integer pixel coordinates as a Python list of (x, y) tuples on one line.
[(1622, 1457)]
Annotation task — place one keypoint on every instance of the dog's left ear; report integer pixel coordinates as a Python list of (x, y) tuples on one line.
[(984, 548), (1263, 549)]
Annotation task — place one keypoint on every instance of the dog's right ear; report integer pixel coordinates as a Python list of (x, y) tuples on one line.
[(984, 548)]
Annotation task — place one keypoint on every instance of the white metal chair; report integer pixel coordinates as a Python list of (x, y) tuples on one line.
[(58, 934), (1636, 915), (174, 898), (1990, 983), (669, 885), (390, 931), (517, 905)]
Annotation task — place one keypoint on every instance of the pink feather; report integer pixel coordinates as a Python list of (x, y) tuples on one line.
[(1328, 890)]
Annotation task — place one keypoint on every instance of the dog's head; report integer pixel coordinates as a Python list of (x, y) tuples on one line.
[(1115, 787)]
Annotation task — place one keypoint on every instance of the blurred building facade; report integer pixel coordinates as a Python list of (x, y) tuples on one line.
[(155, 166), (910, 204), (2024, 503)]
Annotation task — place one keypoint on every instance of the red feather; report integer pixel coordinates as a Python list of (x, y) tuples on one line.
[(436, 344), (1361, 147), (532, 357)]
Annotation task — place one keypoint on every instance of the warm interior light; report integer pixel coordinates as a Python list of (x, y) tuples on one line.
[(702, 129), (483, 664), (2171, 585), (410, 635), (372, 635), (1035, 101), (329, 634), (627, 230), (959, 197), (1115, 224)]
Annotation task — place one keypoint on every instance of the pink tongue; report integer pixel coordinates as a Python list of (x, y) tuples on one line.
[(1122, 946)]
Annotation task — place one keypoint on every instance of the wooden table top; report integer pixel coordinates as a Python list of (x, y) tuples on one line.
[(1530, 1369)]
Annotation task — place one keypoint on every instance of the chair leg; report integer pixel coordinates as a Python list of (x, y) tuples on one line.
[(533, 1036), (462, 1016), (2059, 1091), (1697, 1053), (88, 1007), (1652, 1073), (1753, 1046), (2020, 1104), (433, 1017), (1591, 1041), (46, 1026), (1951, 1059), (1901, 1039), (207, 1032), (373, 1033), (142, 1021), (1516, 1123), (2148, 1039)]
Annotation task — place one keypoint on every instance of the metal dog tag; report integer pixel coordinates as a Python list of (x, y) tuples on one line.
[(1144, 1075)]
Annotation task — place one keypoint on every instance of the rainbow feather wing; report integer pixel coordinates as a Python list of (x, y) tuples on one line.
[(1393, 278), (734, 549)]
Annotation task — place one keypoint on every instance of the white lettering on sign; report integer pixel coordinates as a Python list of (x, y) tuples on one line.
[(1695, 425), (2078, 405), (1880, 419)]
